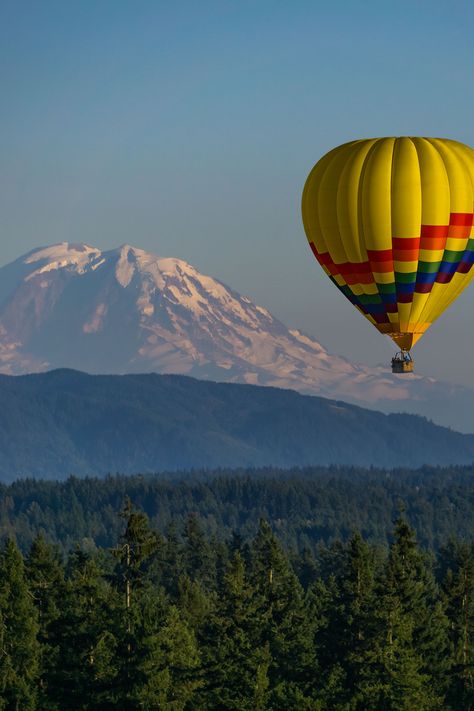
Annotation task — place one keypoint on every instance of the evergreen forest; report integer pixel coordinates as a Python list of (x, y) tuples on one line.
[(304, 506), (322, 589), (186, 621)]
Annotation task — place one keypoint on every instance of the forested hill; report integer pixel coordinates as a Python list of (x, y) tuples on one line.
[(66, 422), (305, 507)]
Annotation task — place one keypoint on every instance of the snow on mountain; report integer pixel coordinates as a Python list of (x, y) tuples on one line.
[(126, 310), (78, 256)]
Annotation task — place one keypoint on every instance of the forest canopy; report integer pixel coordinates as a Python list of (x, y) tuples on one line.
[(304, 506), (191, 621)]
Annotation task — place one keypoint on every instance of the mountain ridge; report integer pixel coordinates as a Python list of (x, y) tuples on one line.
[(65, 422)]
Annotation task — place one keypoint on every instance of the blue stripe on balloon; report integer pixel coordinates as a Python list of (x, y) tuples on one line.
[(448, 267), (405, 288), (426, 278)]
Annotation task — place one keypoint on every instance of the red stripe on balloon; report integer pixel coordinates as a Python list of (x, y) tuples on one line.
[(444, 278), (405, 249), (464, 267), (423, 288), (403, 243), (461, 218)]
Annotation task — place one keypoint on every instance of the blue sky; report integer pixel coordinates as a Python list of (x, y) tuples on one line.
[(188, 129)]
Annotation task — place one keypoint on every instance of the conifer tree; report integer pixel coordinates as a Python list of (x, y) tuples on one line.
[(86, 671), (141, 605), (20, 651), (288, 629), (394, 673), (306, 568), (348, 618), (420, 598), (328, 683), (199, 560), (172, 563), (235, 656), (170, 666), (458, 587), (46, 583), (194, 601), (135, 552)]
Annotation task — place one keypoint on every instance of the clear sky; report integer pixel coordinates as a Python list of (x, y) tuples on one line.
[(188, 129)]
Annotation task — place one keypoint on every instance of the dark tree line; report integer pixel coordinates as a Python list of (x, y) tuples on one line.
[(304, 506), (191, 621)]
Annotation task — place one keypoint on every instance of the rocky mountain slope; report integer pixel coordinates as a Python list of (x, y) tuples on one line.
[(126, 310)]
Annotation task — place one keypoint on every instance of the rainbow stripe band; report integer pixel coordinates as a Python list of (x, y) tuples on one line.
[(433, 239)]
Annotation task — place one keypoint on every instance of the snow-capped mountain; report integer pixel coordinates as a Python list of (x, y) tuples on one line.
[(126, 310)]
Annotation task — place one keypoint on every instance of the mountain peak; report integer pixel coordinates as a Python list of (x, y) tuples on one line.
[(129, 249)]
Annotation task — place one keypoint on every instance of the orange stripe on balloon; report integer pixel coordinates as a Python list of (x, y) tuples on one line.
[(405, 255), (433, 237), (459, 231), (382, 267), (435, 244)]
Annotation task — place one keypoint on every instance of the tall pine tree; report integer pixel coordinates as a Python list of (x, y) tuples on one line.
[(395, 674), (458, 587), (20, 651), (46, 583), (288, 629), (235, 654)]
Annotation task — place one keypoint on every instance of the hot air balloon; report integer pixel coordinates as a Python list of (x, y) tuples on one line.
[(390, 221)]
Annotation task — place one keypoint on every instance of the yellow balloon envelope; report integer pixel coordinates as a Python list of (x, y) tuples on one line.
[(390, 220)]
